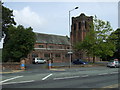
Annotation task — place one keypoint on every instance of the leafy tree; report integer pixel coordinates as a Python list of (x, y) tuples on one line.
[(7, 18), (115, 38), (95, 42), (21, 42), (0, 20), (103, 30), (7, 21)]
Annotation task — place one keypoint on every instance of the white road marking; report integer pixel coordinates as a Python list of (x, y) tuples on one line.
[(85, 76), (66, 77), (19, 82), (112, 86), (113, 72), (46, 77), (103, 74), (10, 79)]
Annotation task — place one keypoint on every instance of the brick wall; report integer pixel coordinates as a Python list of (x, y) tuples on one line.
[(13, 66)]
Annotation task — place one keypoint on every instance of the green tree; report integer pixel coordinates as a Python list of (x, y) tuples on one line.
[(21, 42), (0, 20), (115, 38), (95, 42), (7, 21), (7, 18)]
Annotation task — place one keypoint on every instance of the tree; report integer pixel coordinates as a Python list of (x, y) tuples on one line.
[(20, 43), (115, 38), (7, 21), (0, 20), (95, 42), (7, 18)]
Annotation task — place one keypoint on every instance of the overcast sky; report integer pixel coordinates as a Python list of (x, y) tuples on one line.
[(53, 17)]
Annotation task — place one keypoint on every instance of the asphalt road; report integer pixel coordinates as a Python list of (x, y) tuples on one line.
[(84, 77)]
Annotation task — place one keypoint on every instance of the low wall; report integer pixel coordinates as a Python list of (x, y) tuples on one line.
[(12, 66)]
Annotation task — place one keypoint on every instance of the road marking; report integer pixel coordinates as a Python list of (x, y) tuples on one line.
[(66, 77), (19, 82), (10, 79), (103, 74), (113, 72), (58, 69), (85, 76), (13, 71), (46, 77), (112, 86)]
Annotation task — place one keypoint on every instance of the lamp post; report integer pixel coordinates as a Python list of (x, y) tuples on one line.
[(70, 53)]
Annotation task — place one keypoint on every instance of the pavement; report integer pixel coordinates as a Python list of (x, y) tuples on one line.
[(55, 67)]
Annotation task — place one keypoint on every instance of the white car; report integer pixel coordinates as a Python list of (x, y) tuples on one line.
[(39, 60), (113, 63)]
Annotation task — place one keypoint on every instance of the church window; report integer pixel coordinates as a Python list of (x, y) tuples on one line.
[(85, 24), (46, 55), (41, 46), (57, 55), (79, 25), (75, 26)]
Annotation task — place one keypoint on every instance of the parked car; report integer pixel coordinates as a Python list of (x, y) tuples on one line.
[(113, 63), (39, 61), (79, 61)]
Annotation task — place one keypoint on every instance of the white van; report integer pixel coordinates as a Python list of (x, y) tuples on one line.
[(38, 60)]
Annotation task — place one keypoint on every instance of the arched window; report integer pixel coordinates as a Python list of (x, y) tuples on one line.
[(75, 26), (79, 26), (85, 24)]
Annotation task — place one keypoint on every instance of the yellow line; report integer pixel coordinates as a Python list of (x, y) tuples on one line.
[(18, 70), (112, 86), (13, 71), (58, 69)]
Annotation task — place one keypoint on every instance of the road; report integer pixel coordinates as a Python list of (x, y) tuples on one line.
[(84, 77)]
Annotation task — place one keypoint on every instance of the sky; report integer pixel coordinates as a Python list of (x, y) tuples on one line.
[(53, 17)]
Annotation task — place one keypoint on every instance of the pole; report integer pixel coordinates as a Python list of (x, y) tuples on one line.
[(70, 38)]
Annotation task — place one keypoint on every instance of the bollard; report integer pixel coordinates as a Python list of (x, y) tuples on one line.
[(3, 68), (22, 64), (49, 64)]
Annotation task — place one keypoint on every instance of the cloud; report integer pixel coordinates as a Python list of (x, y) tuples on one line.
[(28, 18)]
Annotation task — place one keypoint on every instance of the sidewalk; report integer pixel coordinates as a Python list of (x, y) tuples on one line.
[(43, 68)]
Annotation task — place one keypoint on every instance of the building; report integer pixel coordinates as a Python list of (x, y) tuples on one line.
[(56, 47), (79, 28), (52, 47)]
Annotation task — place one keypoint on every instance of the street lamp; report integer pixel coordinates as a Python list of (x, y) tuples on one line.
[(70, 39)]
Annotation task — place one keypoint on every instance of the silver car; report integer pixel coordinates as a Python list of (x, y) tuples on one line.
[(113, 63)]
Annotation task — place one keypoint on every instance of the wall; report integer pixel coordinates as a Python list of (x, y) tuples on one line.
[(56, 52)]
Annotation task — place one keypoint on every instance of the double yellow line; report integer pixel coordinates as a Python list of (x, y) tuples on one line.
[(13, 71), (112, 86)]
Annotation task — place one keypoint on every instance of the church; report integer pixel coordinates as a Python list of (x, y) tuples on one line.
[(56, 47), (80, 27)]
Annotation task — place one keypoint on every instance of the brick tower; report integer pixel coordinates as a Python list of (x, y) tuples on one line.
[(79, 28)]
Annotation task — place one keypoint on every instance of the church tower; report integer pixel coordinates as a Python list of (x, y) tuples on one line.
[(79, 28)]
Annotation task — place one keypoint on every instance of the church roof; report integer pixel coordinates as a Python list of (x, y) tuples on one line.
[(52, 39)]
